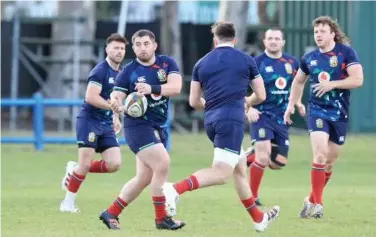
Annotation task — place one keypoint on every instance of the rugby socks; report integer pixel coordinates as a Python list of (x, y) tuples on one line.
[(187, 184), (159, 208), (98, 166), (317, 182), (75, 181), (252, 209), (255, 177), (117, 207), (328, 175)]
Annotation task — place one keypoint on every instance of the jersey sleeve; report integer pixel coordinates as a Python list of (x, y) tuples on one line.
[(172, 66), (195, 73), (122, 81), (352, 58), (96, 77), (253, 69), (303, 66)]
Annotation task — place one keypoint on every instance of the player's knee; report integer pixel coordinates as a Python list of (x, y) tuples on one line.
[(263, 152), (319, 157), (278, 157), (224, 163), (113, 165), (162, 165), (85, 157)]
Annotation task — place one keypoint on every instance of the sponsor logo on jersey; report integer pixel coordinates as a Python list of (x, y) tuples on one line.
[(141, 79), (281, 83), (323, 76)]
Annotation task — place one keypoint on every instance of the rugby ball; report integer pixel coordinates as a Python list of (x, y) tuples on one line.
[(135, 105)]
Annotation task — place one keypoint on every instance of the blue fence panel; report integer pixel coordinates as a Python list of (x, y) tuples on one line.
[(38, 139)]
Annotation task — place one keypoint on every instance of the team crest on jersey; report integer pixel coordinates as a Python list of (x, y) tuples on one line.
[(261, 132), (162, 75), (111, 80), (141, 79), (319, 123), (281, 83), (91, 137), (323, 76), (288, 68), (333, 61), (155, 97)]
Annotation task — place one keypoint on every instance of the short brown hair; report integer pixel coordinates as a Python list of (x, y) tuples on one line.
[(116, 37), (275, 28), (339, 37), (224, 31), (142, 33)]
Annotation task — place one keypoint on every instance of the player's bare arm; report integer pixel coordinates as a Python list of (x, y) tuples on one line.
[(173, 85), (93, 97), (296, 94), (195, 99)]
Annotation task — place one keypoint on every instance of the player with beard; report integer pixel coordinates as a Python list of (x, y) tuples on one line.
[(96, 125), (268, 132), (157, 77)]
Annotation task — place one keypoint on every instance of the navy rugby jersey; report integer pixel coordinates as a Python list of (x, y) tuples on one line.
[(278, 74), (104, 76), (330, 66), (156, 74), (225, 74)]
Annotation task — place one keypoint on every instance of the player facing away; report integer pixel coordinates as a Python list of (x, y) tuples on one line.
[(333, 69), (268, 132), (96, 125), (158, 78), (224, 75)]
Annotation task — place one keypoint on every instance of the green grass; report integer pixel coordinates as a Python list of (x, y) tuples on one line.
[(31, 195)]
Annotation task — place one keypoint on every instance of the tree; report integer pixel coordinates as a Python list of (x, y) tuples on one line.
[(237, 13)]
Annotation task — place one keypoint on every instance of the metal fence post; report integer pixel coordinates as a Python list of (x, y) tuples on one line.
[(38, 122)]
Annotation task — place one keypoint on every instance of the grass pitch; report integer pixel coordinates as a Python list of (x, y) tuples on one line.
[(31, 195)]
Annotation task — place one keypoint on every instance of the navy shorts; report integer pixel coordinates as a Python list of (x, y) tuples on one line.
[(336, 129), (226, 134), (268, 129), (95, 134), (145, 135)]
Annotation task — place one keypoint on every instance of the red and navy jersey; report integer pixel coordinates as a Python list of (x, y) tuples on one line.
[(225, 74), (278, 74), (104, 76), (156, 74), (330, 66)]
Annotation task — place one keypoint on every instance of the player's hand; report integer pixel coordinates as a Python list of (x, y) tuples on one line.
[(143, 88), (115, 105), (253, 115), (301, 109), (321, 88), (287, 116)]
